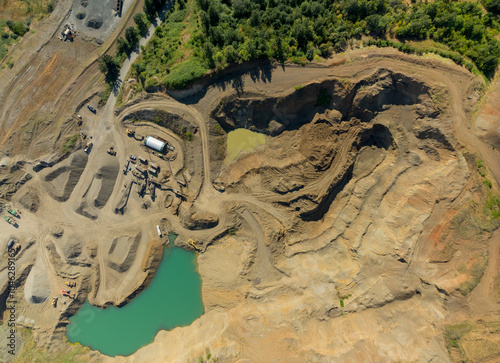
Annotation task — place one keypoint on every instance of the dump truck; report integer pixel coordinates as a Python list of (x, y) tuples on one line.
[(219, 188), (13, 212), (11, 221), (15, 250), (88, 146)]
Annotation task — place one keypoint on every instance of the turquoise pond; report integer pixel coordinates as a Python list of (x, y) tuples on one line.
[(172, 299)]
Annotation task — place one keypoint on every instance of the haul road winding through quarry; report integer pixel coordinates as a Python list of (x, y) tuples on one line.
[(332, 239)]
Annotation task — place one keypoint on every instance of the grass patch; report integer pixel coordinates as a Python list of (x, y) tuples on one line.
[(476, 272), (31, 353), (105, 95), (187, 135), (453, 334), (474, 341), (184, 74), (69, 144)]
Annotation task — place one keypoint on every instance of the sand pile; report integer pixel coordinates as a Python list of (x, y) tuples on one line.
[(107, 176), (63, 179), (37, 288), (122, 252)]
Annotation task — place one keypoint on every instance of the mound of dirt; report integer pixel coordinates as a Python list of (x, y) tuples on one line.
[(122, 252), (56, 231), (107, 175), (63, 179), (37, 287), (95, 22), (192, 219), (85, 210), (30, 200)]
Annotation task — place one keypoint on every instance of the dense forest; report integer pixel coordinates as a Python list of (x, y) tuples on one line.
[(199, 35)]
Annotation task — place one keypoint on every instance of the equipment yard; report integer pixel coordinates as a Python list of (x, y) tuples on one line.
[(352, 232)]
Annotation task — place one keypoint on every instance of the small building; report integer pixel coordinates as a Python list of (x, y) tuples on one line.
[(155, 144)]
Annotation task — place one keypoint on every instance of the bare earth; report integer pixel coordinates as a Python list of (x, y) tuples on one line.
[(347, 246)]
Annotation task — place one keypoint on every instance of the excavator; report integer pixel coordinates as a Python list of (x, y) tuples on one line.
[(70, 284), (54, 301), (191, 242), (67, 293), (11, 221)]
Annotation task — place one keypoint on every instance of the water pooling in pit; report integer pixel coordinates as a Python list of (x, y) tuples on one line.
[(172, 299), (242, 140)]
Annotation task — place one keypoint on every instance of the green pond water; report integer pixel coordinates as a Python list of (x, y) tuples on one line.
[(172, 299), (242, 140)]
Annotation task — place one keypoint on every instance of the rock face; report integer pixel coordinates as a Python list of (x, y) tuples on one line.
[(328, 260), (331, 242)]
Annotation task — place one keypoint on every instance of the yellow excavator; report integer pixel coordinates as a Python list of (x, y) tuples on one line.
[(191, 242)]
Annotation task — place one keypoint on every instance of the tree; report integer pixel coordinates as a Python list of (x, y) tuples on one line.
[(132, 36), (123, 46), (142, 22), (109, 67), (150, 9)]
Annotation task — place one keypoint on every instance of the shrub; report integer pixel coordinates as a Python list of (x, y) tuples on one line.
[(18, 28)]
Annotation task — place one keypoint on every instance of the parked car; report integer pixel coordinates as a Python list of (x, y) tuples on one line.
[(132, 157), (92, 109)]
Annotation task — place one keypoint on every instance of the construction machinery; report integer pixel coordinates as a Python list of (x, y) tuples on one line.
[(15, 250), (130, 132), (219, 188), (111, 151), (88, 146), (13, 212), (54, 301), (70, 284), (11, 221), (67, 293), (191, 242)]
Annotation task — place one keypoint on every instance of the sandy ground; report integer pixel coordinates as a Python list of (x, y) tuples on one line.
[(321, 247)]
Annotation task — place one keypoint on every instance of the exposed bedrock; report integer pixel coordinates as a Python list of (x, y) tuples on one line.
[(363, 100), (194, 219)]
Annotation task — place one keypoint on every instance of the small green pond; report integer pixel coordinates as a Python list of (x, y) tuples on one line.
[(172, 299), (242, 140)]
